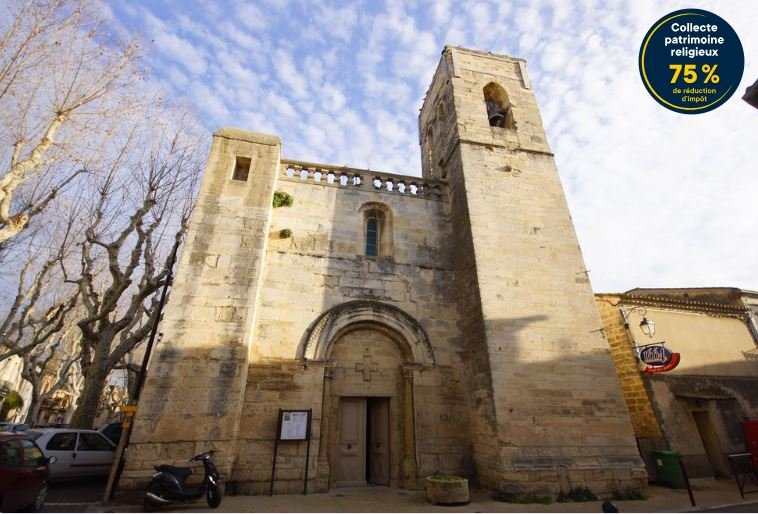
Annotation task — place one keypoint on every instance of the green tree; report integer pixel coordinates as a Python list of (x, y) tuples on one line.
[(11, 402)]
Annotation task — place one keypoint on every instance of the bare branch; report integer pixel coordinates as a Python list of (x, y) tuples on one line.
[(61, 86), (124, 259)]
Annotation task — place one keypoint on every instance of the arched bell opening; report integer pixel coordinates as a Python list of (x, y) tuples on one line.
[(499, 111)]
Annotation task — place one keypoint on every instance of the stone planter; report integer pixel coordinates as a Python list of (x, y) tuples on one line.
[(446, 490)]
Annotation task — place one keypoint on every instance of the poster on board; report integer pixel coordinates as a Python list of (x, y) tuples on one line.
[(294, 425)]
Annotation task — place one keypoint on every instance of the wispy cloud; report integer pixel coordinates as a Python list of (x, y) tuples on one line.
[(658, 198)]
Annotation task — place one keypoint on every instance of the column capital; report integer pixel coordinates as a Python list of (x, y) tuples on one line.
[(408, 372)]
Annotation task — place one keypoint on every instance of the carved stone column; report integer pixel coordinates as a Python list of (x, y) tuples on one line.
[(322, 473), (409, 431)]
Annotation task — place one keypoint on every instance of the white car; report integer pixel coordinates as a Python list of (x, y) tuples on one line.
[(79, 452)]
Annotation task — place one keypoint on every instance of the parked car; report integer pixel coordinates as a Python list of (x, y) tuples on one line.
[(79, 453), (24, 473), (112, 431), (52, 425), (13, 427)]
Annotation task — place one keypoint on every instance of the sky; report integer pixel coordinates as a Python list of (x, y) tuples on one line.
[(659, 199)]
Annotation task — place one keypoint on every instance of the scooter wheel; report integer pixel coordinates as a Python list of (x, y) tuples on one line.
[(149, 505), (214, 497)]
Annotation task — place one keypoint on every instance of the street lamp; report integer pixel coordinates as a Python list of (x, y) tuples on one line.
[(647, 326)]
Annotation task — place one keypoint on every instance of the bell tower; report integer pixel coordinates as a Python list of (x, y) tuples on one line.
[(547, 409)]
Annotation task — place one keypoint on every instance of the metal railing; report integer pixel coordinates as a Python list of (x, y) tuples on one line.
[(743, 469)]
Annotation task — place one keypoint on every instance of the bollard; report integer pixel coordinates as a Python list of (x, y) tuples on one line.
[(687, 482)]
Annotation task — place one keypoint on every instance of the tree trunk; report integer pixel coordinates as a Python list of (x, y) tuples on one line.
[(94, 383), (34, 406), (131, 383), (69, 414), (86, 410)]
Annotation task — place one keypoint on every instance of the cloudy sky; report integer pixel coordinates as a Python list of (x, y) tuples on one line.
[(659, 199)]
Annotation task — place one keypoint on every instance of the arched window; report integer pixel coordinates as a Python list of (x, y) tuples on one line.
[(377, 229), (372, 237), (499, 112)]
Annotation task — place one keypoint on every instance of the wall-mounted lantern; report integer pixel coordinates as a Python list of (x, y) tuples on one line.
[(646, 325)]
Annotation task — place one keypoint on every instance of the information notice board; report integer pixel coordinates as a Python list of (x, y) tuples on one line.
[(293, 425)]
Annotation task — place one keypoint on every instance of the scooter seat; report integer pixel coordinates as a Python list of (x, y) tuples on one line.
[(180, 473)]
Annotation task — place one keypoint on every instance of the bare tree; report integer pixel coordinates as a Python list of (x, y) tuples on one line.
[(62, 86), (55, 360), (75, 116), (35, 314), (137, 223)]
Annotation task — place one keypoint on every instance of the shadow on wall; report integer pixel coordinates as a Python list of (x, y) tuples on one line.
[(551, 409), (558, 391), (550, 401)]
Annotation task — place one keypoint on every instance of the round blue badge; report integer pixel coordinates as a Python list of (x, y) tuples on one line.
[(691, 61)]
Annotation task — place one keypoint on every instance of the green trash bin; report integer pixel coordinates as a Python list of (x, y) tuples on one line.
[(668, 469)]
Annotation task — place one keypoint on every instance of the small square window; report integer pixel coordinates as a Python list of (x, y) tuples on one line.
[(241, 169)]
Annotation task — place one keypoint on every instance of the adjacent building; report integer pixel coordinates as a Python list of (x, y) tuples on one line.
[(696, 408)]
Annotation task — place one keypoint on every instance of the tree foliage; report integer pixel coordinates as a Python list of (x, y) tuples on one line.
[(14, 400), (11, 402)]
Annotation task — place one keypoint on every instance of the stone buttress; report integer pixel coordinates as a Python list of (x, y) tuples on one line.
[(193, 395)]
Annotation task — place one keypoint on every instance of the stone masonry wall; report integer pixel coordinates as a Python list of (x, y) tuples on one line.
[(273, 385), (322, 265), (637, 400), (559, 414)]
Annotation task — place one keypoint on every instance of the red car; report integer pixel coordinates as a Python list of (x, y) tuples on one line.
[(24, 473)]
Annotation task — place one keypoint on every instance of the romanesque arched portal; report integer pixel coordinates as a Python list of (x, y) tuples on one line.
[(325, 330), (370, 351)]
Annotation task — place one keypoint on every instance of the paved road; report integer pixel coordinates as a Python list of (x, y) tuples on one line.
[(74, 495)]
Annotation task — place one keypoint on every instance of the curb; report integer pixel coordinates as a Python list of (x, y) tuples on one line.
[(726, 506)]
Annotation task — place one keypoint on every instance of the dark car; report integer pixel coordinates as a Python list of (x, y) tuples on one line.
[(13, 427), (112, 431), (24, 474)]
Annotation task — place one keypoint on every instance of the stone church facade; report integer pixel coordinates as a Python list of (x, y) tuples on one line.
[(434, 324)]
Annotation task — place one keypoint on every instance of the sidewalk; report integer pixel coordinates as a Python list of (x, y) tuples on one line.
[(708, 494)]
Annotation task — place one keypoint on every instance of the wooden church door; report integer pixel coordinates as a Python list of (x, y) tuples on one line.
[(364, 442), (379, 441)]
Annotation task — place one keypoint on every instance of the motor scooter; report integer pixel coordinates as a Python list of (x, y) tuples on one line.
[(167, 485)]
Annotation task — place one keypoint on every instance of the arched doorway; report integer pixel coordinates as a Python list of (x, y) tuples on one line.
[(370, 352)]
